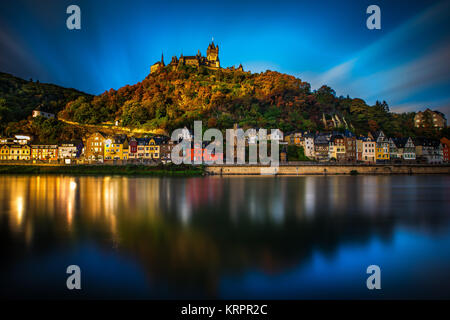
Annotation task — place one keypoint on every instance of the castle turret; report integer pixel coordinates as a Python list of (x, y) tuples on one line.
[(212, 55), (158, 65)]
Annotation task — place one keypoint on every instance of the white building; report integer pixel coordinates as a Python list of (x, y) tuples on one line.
[(276, 135), (185, 135), (38, 113), (368, 151), (308, 146), (69, 150), (22, 139)]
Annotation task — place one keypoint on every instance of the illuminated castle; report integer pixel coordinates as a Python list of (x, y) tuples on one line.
[(211, 60)]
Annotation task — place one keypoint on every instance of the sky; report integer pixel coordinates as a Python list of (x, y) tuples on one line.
[(406, 62)]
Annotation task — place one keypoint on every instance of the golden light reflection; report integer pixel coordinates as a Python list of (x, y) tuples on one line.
[(19, 210)]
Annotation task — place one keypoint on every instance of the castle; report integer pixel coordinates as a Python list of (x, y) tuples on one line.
[(211, 61)]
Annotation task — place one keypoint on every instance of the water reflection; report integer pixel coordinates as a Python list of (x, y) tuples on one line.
[(197, 237)]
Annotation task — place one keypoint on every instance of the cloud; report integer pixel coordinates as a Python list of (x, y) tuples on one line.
[(414, 106), (406, 63)]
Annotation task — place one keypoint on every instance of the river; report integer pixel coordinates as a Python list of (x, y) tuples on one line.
[(225, 237)]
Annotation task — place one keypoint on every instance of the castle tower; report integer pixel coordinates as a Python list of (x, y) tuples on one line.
[(212, 55), (158, 65)]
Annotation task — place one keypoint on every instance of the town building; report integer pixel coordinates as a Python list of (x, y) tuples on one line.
[(142, 149), (350, 147), (166, 150), (15, 152), (94, 150), (395, 149), (154, 145), (428, 150), (4, 151), (321, 147), (39, 113), (44, 152), (359, 148), (368, 150), (22, 139), (4, 140), (132, 148), (308, 145), (70, 150), (430, 119), (289, 138), (276, 135), (116, 148), (382, 148), (336, 150), (445, 148), (251, 137), (185, 135), (409, 150)]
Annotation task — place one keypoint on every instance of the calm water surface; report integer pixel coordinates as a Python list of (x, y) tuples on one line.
[(236, 237)]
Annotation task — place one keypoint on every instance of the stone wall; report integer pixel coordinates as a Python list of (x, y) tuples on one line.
[(328, 169)]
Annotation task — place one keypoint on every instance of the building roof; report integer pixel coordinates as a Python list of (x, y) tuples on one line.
[(335, 137), (321, 139), (399, 142), (119, 139), (142, 141)]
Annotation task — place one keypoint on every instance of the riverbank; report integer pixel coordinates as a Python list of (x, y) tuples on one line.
[(157, 170), (329, 169), (190, 170)]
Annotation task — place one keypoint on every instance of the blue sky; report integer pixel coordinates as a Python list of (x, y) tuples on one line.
[(405, 63)]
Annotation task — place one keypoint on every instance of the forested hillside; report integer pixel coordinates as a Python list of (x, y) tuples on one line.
[(174, 98), (19, 97), (170, 99)]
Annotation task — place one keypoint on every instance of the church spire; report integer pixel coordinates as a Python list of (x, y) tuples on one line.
[(162, 58)]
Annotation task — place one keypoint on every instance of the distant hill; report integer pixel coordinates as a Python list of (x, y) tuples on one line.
[(19, 97), (172, 98)]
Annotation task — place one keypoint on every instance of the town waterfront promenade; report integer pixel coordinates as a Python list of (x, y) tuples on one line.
[(290, 168)]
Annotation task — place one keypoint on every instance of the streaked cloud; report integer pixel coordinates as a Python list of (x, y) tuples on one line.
[(399, 67)]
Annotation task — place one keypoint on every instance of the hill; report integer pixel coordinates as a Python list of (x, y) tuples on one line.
[(19, 97), (173, 98)]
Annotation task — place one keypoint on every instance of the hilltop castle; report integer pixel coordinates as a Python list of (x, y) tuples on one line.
[(211, 61)]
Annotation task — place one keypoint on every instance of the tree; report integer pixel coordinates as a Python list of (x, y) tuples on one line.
[(296, 153)]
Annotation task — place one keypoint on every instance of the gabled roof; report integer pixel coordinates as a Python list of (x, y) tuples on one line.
[(104, 135), (119, 139), (399, 142), (377, 134), (142, 141)]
